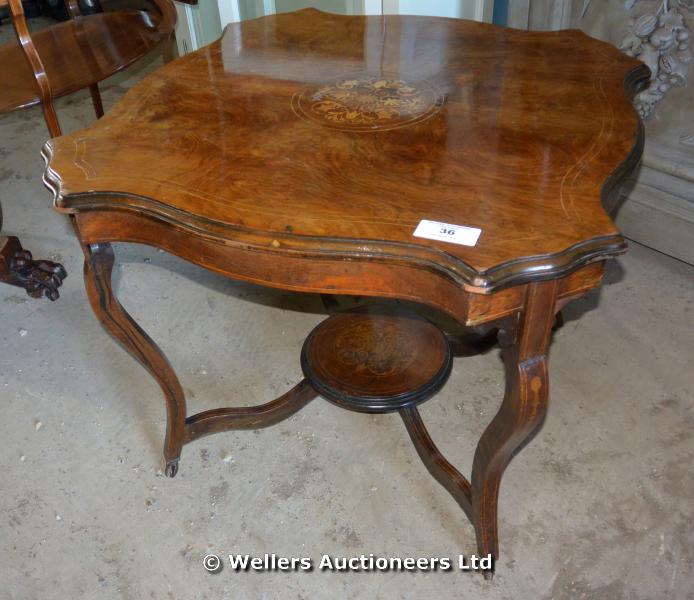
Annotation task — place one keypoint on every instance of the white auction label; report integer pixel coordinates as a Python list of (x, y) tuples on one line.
[(445, 232)]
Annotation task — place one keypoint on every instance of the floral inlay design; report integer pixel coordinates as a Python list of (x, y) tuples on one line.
[(368, 103), (382, 351)]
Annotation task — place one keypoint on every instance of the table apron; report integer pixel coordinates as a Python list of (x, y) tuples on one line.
[(376, 276)]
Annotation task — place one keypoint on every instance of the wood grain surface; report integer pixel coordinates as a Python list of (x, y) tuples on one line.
[(330, 137), (78, 53), (376, 359)]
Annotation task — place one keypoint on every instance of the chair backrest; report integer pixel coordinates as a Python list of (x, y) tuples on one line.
[(34, 60), (166, 23)]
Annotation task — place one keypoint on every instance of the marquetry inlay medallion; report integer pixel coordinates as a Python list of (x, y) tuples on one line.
[(367, 103)]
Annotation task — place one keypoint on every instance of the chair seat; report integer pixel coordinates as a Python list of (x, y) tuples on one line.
[(76, 54), (376, 360)]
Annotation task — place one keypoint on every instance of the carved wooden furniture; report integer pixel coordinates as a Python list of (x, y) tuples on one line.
[(59, 60), (303, 150), (75, 54), (18, 267), (376, 360)]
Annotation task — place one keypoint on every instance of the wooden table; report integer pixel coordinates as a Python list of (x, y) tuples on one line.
[(302, 151)]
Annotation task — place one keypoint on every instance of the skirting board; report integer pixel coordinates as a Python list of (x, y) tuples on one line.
[(660, 219)]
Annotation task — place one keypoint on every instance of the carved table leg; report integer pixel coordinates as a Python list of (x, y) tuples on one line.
[(37, 277), (98, 265), (524, 342)]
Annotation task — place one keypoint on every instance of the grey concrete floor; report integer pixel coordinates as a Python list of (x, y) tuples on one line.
[(598, 506)]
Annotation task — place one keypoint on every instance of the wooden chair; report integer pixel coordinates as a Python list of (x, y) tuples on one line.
[(59, 60), (76, 54)]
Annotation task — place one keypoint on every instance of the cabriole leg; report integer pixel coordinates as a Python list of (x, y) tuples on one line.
[(98, 265), (524, 342)]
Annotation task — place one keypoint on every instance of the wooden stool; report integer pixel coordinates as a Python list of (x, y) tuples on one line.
[(377, 360)]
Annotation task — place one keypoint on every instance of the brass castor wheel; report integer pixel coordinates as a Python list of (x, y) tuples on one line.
[(376, 359), (171, 468)]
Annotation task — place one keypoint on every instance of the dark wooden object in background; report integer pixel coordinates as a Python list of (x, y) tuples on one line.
[(59, 60), (301, 151), (18, 268), (75, 54)]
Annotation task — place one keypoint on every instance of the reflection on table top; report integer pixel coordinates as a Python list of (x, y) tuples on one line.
[(343, 133)]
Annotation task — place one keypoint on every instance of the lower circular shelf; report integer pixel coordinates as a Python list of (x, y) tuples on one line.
[(376, 360)]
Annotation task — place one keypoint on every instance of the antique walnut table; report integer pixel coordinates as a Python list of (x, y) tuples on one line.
[(303, 151)]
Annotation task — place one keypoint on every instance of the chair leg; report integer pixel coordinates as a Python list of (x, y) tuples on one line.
[(169, 51), (96, 100)]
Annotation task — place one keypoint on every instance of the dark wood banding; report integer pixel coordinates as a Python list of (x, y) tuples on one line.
[(376, 359), (521, 151), (300, 151)]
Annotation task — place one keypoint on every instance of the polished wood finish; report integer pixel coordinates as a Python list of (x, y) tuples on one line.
[(40, 83), (75, 54), (98, 266), (452, 480), (532, 131), (525, 342), (19, 268), (376, 359), (56, 61), (419, 283), (301, 150), (249, 417)]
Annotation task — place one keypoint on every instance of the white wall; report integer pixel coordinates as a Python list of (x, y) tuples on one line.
[(480, 10), (199, 25)]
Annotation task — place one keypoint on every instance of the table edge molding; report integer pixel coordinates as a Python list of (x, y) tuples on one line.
[(513, 272)]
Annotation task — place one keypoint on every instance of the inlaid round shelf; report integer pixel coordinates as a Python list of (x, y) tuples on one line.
[(353, 173), (376, 360)]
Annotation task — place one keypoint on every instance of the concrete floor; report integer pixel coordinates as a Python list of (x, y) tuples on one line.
[(599, 506)]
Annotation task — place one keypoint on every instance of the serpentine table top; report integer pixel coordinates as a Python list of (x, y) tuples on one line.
[(334, 136), (452, 163)]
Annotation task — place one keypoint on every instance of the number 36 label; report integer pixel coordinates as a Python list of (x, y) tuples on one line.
[(445, 232)]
